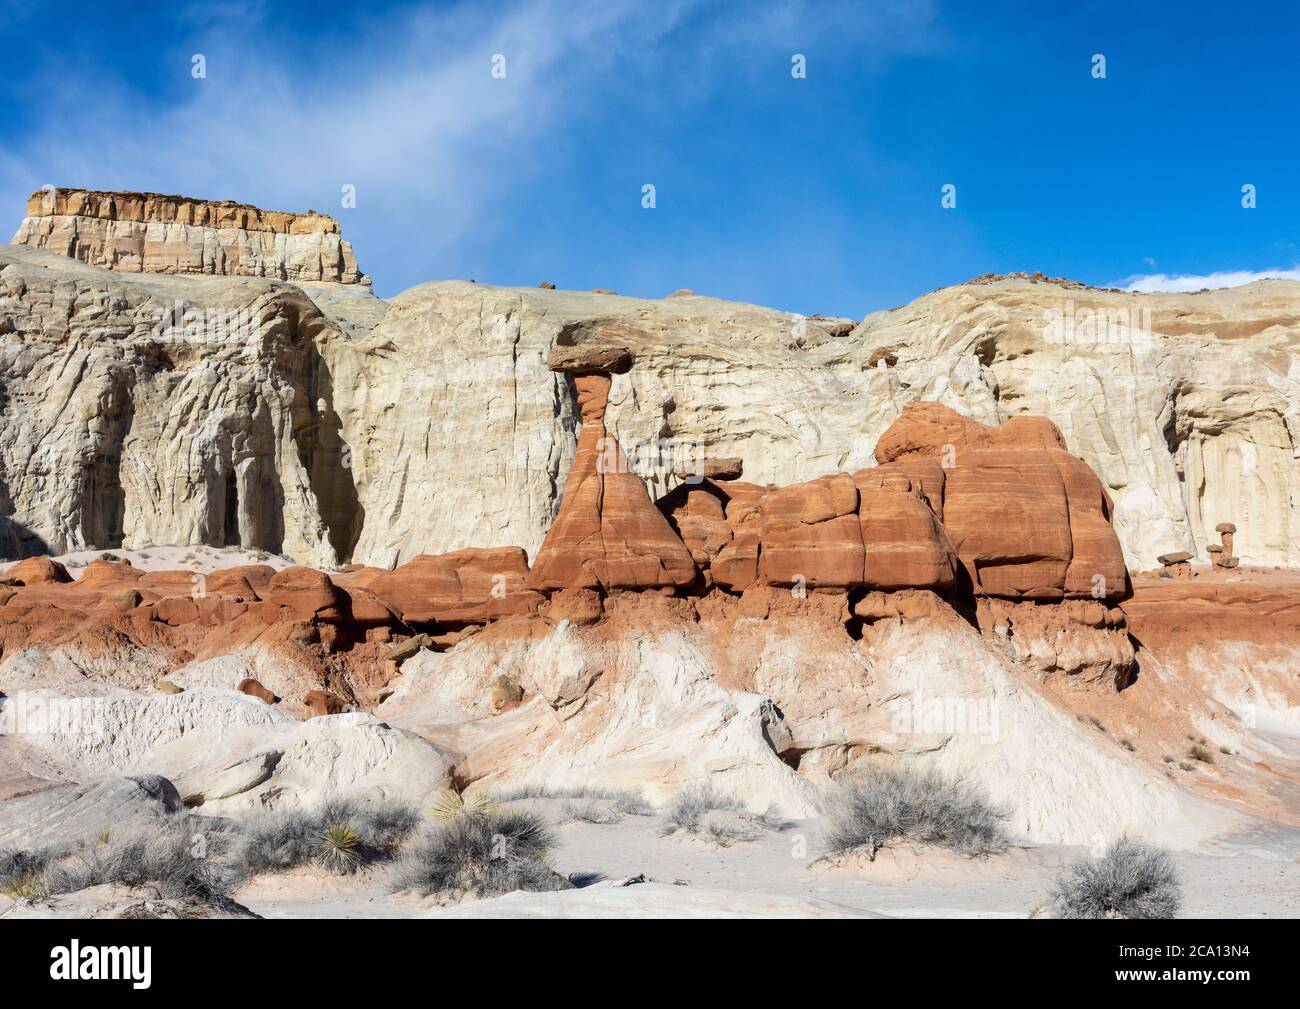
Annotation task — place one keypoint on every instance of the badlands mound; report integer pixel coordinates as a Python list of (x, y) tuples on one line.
[(491, 538)]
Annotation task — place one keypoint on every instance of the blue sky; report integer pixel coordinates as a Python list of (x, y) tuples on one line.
[(812, 195)]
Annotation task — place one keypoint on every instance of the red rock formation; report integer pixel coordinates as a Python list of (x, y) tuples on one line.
[(322, 702), (467, 586), (925, 430), (608, 533), (253, 688), (873, 529), (905, 545), (1027, 519), (37, 571)]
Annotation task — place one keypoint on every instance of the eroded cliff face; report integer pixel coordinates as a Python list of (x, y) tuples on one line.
[(152, 233), (442, 428), (147, 410), (1187, 406)]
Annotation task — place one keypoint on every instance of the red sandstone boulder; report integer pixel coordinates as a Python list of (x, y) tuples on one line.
[(121, 599), (172, 583), (102, 574), (873, 529), (904, 543), (37, 571), (175, 611), (697, 513), (1006, 513), (249, 581), (926, 430), (365, 609), (736, 565), (253, 688), (608, 533), (322, 702), (306, 594), (811, 534), (1026, 518), (467, 586), (1097, 566), (219, 609)]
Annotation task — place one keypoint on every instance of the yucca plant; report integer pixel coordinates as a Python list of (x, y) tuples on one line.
[(339, 847), (451, 804)]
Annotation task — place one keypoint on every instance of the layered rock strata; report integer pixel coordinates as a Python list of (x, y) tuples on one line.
[(1184, 404), (152, 233)]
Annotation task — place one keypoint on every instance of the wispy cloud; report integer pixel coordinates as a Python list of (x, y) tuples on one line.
[(1180, 283), (400, 105)]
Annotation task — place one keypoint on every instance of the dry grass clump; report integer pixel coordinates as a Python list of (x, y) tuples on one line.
[(164, 858), (338, 835), (1198, 752), (1129, 880), (628, 802), (900, 803), (22, 873), (702, 811), (485, 854), (587, 811), (689, 806)]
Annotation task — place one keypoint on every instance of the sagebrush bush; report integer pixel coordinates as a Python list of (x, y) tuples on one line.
[(587, 811), (900, 803), (629, 802), (1200, 753), (339, 834), (1129, 880), (689, 805), (163, 857), (486, 854)]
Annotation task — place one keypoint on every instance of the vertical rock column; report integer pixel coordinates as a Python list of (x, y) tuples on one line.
[(1224, 558), (608, 533)]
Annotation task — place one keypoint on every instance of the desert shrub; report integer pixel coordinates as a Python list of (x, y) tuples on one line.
[(163, 858), (631, 803), (627, 801), (22, 873), (1197, 752), (587, 811), (692, 802), (486, 854), (339, 847), (726, 834), (1130, 880), (339, 835), (902, 803), (1128, 745)]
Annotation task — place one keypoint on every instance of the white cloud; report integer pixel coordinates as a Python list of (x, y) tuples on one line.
[(401, 106), (1181, 283)]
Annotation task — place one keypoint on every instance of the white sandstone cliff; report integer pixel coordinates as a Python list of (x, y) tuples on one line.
[(316, 420)]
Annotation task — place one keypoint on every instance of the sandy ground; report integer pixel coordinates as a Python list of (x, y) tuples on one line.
[(778, 875), (168, 558)]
